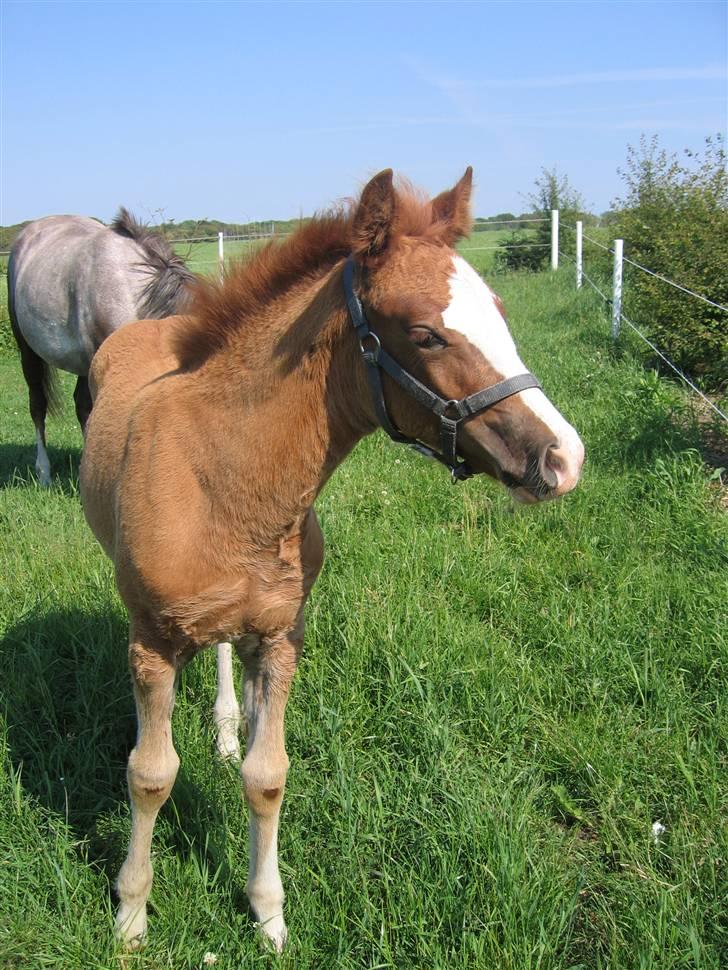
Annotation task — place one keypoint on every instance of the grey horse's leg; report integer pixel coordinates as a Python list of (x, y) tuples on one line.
[(41, 392), (83, 402), (36, 373)]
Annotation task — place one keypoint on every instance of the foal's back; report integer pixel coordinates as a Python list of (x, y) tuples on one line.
[(126, 377), (140, 474)]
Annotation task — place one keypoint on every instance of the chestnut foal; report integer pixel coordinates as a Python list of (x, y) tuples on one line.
[(212, 435)]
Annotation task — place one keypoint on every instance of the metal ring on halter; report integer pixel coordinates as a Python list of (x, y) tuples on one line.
[(370, 354)]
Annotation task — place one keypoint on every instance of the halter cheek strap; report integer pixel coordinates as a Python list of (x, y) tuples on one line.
[(451, 413)]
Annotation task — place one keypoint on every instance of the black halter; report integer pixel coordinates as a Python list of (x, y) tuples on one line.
[(450, 413)]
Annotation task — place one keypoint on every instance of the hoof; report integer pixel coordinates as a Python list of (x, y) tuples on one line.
[(273, 933), (131, 926), (227, 741)]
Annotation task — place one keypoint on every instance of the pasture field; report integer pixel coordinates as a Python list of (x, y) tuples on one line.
[(493, 710), (202, 257)]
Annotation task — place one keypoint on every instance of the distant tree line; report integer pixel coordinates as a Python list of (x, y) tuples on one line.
[(191, 228), (494, 223)]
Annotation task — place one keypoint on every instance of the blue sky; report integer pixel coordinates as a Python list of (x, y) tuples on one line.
[(243, 111)]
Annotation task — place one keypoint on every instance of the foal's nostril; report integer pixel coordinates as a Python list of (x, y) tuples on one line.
[(551, 465)]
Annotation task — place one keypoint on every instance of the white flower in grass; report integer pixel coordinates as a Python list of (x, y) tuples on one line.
[(209, 959), (658, 830)]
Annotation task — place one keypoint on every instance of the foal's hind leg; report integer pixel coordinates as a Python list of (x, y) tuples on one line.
[(226, 711), (268, 675), (151, 773), (82, 400)]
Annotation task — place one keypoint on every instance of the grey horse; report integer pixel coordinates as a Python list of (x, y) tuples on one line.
[(72, 281)]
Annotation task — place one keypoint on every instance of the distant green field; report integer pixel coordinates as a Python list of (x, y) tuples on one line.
[(203, 257), (492, 711)]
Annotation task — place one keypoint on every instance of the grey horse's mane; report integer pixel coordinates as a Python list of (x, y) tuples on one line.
[(167, 292)]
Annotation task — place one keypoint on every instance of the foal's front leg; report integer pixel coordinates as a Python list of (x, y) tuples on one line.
[(151, 773), (268, 675)]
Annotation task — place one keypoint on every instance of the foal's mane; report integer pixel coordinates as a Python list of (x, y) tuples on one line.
[(221, 308)]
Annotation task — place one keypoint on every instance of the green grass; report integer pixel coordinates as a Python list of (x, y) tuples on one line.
[(492, 710)]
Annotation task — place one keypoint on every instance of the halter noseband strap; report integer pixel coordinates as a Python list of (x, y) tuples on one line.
[(450, 413)]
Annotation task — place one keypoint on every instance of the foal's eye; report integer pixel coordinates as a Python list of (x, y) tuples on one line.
[(426, 338)]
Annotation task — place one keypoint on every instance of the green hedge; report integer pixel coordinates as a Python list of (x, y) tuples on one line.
[(674, 221)]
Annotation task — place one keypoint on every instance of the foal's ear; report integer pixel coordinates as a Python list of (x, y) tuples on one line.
[(374, 218), (452, 208)]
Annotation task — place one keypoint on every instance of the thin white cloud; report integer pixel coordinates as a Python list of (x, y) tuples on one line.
[(709, 72), (513, 122), (374, 125)]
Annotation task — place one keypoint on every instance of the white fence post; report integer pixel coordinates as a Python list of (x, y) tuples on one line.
[(617, 287), (221, 251), (579, 245), (554, 239)]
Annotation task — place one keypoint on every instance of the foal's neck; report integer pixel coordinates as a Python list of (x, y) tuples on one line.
[(289, 395)]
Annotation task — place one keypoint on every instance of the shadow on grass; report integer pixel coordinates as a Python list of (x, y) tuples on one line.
[(67, 698), (69, 709), (17, 466)]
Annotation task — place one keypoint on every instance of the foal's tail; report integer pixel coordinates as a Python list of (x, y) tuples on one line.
[(40, 378)]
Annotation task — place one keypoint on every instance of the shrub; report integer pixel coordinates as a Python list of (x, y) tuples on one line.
[(551, 191), (516, 252), (674, 220)]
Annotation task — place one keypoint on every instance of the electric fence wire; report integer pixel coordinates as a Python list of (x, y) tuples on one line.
[(594, 286), (470, 249), (675, 368), (681, 374), (677, 286), (651, 272), (595, 242), (481, 249), (483, 226)]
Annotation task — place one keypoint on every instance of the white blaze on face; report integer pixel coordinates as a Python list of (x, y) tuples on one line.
[(474, 313)]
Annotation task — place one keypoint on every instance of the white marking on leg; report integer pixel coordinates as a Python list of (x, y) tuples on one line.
[(151, 772), (42, 464), (474, 312), (264, 887), (226, 711), (264, 776)]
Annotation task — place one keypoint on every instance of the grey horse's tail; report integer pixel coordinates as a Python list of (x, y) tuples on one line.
[(168, 290), (39, 376)]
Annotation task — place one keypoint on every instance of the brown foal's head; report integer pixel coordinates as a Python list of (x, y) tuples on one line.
[(440, 321)]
